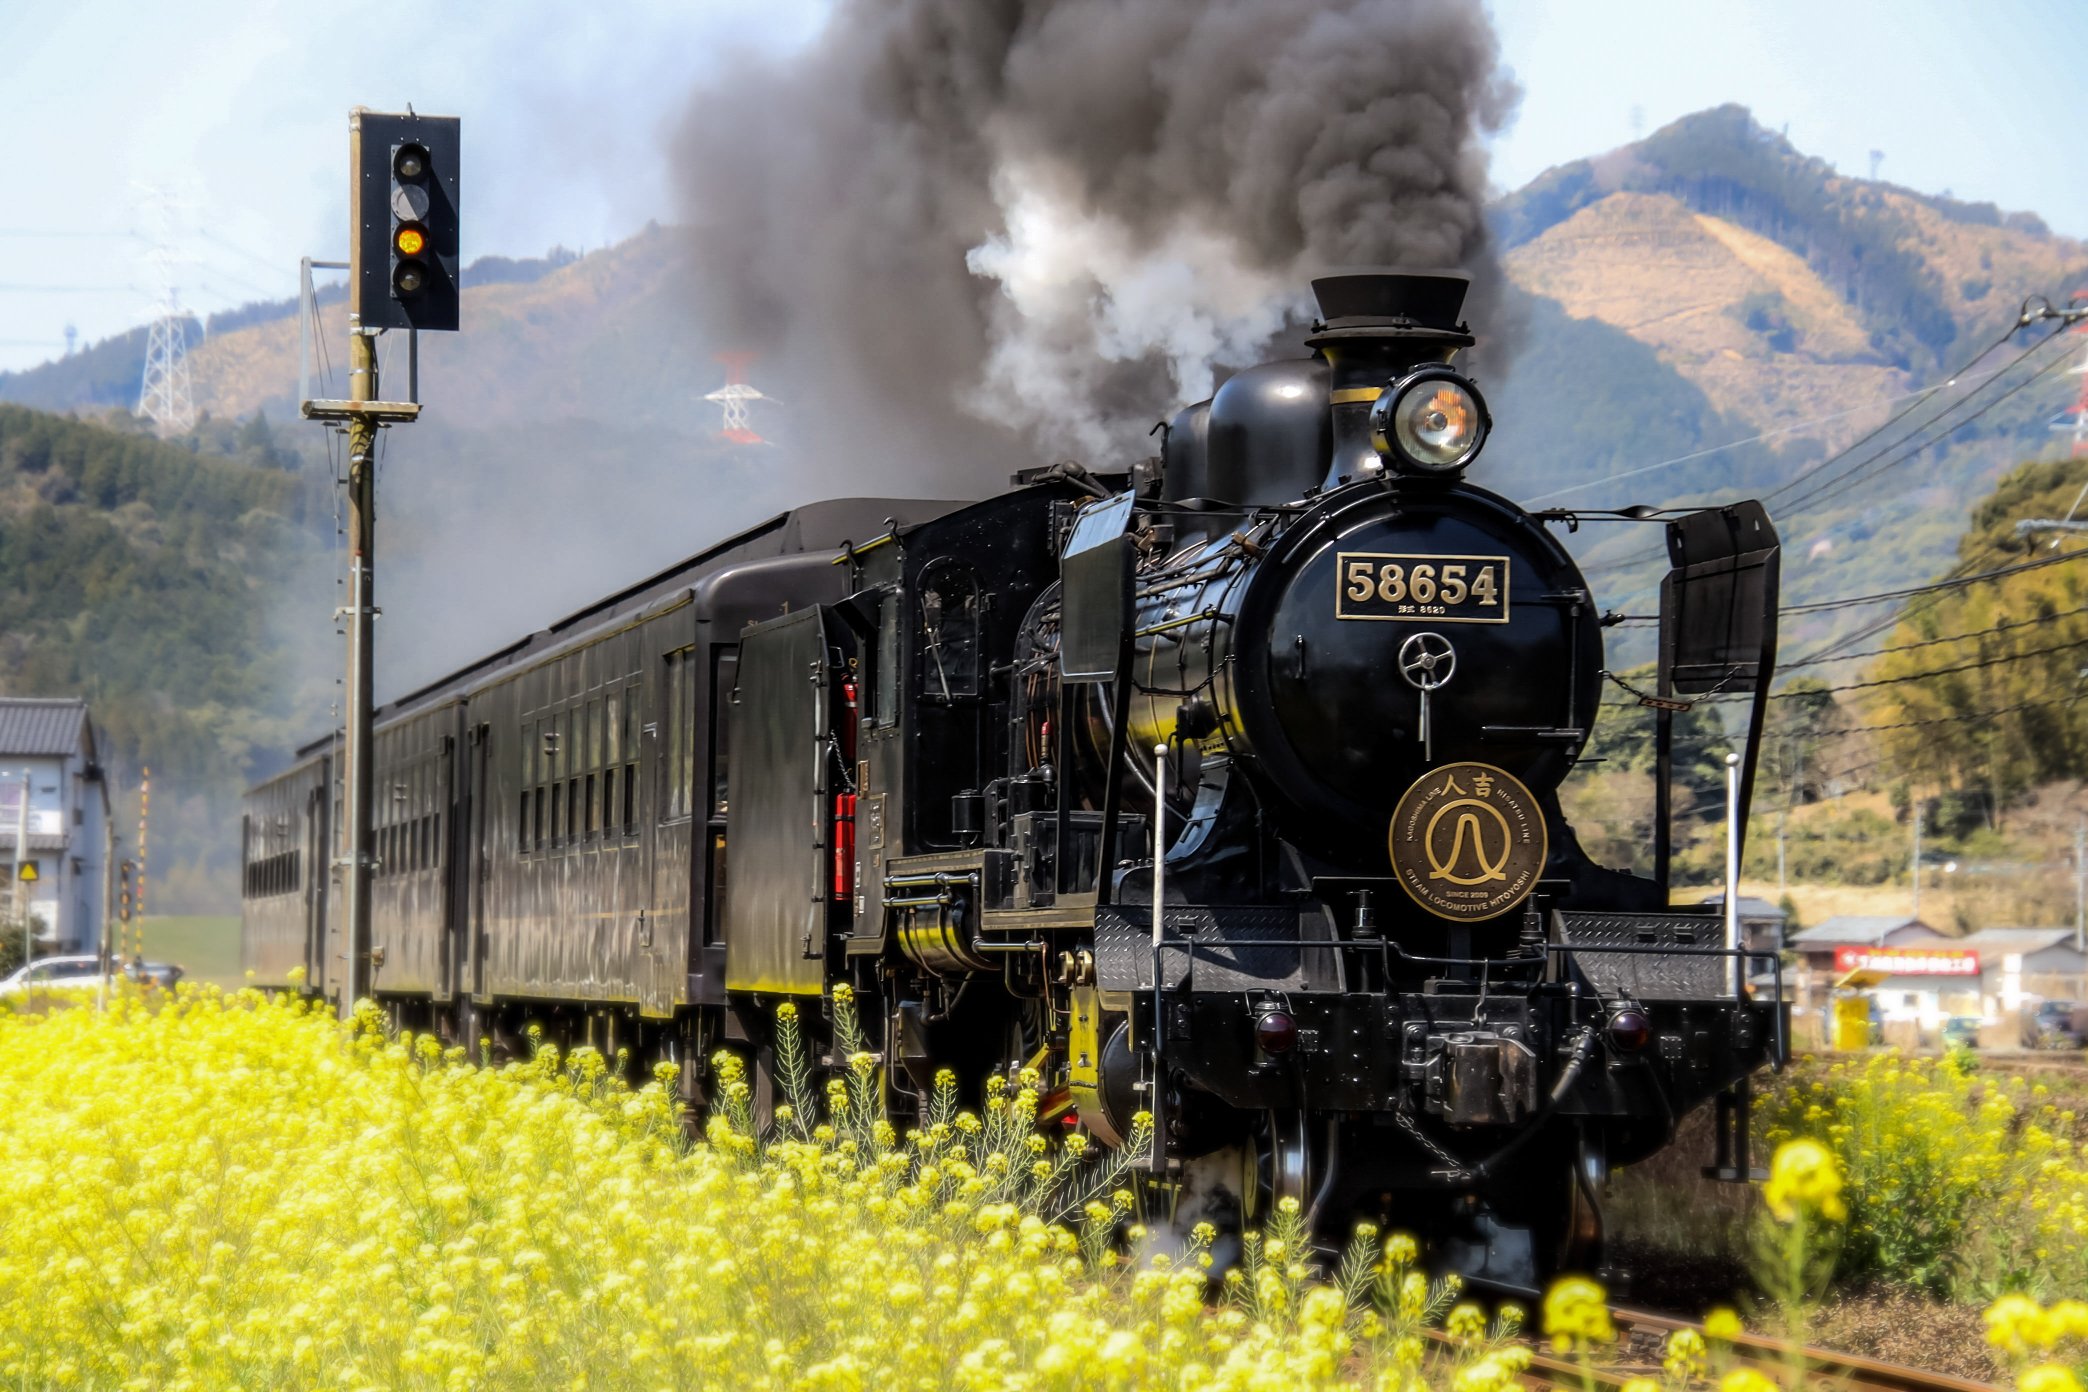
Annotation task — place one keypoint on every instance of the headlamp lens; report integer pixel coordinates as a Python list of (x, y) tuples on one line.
[(1437, 424)]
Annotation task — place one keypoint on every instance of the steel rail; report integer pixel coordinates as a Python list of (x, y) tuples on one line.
[(1641, 1334)]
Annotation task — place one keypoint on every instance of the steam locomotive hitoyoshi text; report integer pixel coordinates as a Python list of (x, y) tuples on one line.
[(1296, 681)]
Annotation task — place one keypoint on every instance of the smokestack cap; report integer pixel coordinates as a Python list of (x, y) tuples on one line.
[(1377, 304)]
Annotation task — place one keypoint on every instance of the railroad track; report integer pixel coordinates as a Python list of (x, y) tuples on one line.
[(1641, 1335)]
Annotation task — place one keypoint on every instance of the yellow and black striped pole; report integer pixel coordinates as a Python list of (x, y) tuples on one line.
[(137, 944)]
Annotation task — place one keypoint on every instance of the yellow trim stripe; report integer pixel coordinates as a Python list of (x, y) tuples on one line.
[(1348, 396)]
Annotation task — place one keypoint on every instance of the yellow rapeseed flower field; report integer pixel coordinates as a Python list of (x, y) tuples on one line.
[(1953, 1179), (225, 1191), (207, 1191)]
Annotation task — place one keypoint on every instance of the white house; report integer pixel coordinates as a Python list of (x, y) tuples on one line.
[(66, 837), (2018, 965)]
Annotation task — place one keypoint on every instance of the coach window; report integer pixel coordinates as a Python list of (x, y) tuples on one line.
[(591, 814), (612, 757), (674, 788), (949, 642), (630, 768), (527, 795), (573, 726)]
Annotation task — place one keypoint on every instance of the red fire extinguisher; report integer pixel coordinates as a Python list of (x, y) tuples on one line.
[(844, 846), (845, 803)]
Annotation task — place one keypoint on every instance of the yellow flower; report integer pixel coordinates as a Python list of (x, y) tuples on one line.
[(2048, 1377), (1685, 1356), (1746, 1380), (1804, 1177), (1640, 1384), (1486, 1375), (1722, 1326), (1576, 1313), (1466, 1323), (2017, 1323)]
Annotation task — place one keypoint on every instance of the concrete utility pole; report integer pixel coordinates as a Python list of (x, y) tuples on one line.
[(1917, 858), (362, 575), (2080, 882), (19, 894), (144, 843)]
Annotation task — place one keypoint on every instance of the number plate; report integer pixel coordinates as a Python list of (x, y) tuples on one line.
[(1418, 589)]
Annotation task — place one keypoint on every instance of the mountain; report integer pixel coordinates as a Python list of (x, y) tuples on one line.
[(143, 575), (1919, 278)]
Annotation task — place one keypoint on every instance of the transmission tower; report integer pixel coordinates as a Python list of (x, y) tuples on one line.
[(164, 398), (734, 396)]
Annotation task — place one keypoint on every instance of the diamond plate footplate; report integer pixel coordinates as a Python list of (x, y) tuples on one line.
[(1236, 949), (1648, 972)]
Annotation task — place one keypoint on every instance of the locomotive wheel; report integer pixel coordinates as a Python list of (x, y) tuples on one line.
[(1567, 1235), (1027, 1033), (761, 1079), (1277, 1166), (1582, 1247)]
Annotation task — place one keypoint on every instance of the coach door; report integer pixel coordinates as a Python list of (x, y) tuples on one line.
[(318, 874), (670, 751), (469, 948)]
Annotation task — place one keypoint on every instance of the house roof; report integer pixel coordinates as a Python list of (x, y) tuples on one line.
[(1751, 906), (1857, 928), (2007, 940), (41, 726)]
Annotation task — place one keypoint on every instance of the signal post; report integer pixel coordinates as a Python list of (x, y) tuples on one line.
[(402, 273)]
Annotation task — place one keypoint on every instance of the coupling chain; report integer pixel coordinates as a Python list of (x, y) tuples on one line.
[(1406, 1122)]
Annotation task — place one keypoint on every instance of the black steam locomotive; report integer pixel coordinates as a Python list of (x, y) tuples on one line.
[(1222, 789)]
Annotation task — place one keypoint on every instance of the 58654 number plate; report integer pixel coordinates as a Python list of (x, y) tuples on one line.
[(1436, 589)]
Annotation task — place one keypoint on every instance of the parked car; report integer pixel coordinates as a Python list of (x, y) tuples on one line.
[(1961, 1032), (2055, 1024), (160, 974), (52, 971)]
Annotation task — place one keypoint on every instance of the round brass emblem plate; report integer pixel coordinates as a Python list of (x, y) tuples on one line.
[(1468, 841)]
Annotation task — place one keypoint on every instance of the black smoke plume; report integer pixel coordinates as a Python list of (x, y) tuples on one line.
[(970, 234)]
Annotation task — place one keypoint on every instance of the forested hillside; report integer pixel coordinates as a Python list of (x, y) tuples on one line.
[(1987, 680), (146, 576)]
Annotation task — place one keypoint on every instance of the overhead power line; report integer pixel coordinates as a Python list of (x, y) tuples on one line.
[(2025, 317), (1879, 463), (1853, 601), (2003, 627), (1997, 660)]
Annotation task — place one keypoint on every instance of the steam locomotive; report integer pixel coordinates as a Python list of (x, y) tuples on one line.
[(1222, 789)]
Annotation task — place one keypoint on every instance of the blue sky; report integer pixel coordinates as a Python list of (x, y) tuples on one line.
[(236, 109)]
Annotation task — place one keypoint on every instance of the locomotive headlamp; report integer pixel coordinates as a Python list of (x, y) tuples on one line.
[(1276, 1033), (1431, 421), (1630, 1030)]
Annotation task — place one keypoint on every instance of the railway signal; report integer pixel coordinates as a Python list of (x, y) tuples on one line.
[(404, 200), (402, 274)]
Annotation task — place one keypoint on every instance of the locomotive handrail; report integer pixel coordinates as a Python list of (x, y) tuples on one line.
[(1202, 616)]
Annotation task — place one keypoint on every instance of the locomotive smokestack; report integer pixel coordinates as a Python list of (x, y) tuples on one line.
[(1374, 327)]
